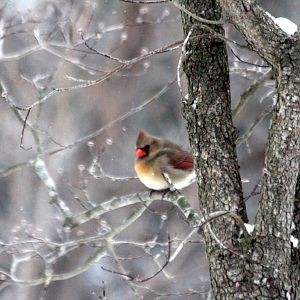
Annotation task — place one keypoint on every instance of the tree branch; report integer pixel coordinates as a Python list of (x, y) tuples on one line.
[(260, 31), (250, 91), (127, 200)]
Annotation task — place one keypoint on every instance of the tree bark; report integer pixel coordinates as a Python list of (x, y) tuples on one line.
[(267, 267), (212, 136)]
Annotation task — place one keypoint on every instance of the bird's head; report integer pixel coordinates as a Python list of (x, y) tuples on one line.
[(147, 146)]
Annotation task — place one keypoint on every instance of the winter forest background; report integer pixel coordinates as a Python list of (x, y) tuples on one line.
[(94, 73)]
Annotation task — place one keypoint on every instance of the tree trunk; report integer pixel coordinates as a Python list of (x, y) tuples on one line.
[(267, 267), (212, 137)]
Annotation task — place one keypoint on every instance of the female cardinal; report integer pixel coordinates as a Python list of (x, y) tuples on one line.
[(161, 164)]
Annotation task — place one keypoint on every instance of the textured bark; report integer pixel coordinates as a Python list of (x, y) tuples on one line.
[(212, 136), (276, 210), (270, 268)]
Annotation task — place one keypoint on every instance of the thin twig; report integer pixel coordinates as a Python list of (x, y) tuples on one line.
[(202, 20), (131, 62), (23, 129), (226, 247), (167, 48), (101, 53), (66, 247), (131, 112), (183, 54), (17, 167), (58, 277), (176, 4), (144, 204), (250, 91), (253, 192), (207, 220), (137, 280), (247, 62), (243, 139)]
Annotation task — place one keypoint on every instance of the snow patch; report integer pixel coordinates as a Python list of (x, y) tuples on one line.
[(249, 227), (294, 241), (285, 24), (194, 105)]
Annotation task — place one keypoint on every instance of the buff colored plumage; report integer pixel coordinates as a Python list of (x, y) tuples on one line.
[(160, 162)]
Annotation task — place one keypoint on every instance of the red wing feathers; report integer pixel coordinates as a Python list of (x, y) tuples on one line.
[(182, 160)]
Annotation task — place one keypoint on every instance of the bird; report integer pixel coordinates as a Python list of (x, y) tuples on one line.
[(161, 164)]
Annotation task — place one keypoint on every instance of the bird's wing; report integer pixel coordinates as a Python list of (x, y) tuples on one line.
[(182, 160)]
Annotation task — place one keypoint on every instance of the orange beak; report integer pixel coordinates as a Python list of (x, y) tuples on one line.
[(140, 153)]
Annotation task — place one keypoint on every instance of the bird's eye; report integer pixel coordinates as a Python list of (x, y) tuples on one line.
[(146, 148)]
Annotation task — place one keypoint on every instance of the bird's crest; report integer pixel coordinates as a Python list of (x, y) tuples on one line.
[(142, 137)]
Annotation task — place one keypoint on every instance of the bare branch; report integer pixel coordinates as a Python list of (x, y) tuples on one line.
[(69, 246), (58, 277), (179, 6), (117, 69), (15, 168), (101, 53), (137, 280), (254, 190), (206, 220), (202, 20), (131, 112), (250, 91), (247, 62), (252, 21), (244, 138), (182, 55), (23, 129), (44, 175), (21, 54)]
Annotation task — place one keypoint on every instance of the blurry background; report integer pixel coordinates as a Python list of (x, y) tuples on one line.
[(43, 45)]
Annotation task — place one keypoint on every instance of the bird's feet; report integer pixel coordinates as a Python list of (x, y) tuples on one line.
[(163, 193)]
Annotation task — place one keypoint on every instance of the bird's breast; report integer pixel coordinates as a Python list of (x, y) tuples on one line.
[(150, 176)]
